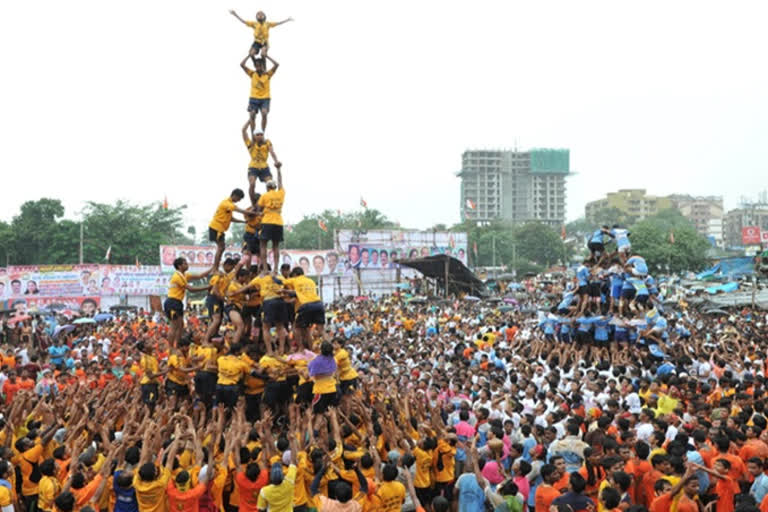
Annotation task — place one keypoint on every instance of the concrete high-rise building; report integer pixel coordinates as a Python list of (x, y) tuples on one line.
[(704, 212), (635, 204), (755, 215), (516, 186)]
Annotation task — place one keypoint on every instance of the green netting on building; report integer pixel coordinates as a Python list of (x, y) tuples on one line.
[(550, 161)]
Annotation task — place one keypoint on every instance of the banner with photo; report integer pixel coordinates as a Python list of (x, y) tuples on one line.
[(80, 280), (378, 249), (200, 258), (86, 305)]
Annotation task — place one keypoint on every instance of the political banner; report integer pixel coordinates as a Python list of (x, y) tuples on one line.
[(378, 249), (200, 259), (80, 280), (22, 305)]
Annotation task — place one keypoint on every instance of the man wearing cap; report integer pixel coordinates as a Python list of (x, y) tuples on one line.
[(259, 148), (272, 221)]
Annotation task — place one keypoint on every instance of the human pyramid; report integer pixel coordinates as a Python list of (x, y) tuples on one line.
[(248, 291)]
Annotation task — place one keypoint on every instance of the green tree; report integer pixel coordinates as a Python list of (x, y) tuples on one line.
[(307, 233), (539, 243), (653, 239), (609, 217), (133, 231), (32, 229)]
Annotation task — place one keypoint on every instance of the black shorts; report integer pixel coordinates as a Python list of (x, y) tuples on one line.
[(173, 308), (252, 403), (251, 242), (583, 337), (628, 293), (215, 236), (277, 393), (290, 313), (271, 233), (263, 174), (347, 386), (310, 314), (173, 388), (227, 395), (582, 290), (149, 393), (213, 305), (321, 403), (444, 489), (274, 312), (228, 308), (205, 382), (424, 494), (257, 46), (594, 290), (595, 247), (304, 393), (252, 313), (642, 299)]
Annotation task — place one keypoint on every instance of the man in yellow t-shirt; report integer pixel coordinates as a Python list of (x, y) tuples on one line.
[(260, 31), (260, 88), (278, 495), (272, 222), (268, 288), (222, 218), (179, 369), (232, 371), (259, 148), (177, 290), (310, 310), (347, 373)]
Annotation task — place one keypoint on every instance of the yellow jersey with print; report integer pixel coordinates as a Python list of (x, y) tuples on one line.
[(253, 385), (49, 489), (151, 495), (268, 286), (260, 84), (261, 30), (272, 204), (148, 365), (175, 364), (423, 477), (220, 283), (231, 370), (177, 288), (344, 364), (222, 218), (206, 356), (238, 299), (259, 154), (253, 223), (391, 495), (274, 367), (305, 288)]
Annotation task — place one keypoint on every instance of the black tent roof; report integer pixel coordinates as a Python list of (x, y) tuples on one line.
[(460, 278)]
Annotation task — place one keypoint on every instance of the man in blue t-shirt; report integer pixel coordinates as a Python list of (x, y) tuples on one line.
[(57, 351), (596, 243)]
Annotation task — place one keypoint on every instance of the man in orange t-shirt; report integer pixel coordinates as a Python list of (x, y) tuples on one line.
[(182, 497), (545, 492)]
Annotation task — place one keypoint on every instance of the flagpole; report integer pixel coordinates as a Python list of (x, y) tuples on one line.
[(81, 242)]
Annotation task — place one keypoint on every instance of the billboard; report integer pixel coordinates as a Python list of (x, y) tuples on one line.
[(750, 235), (200, 258), (378, 249), (87, 305), (29, 281)]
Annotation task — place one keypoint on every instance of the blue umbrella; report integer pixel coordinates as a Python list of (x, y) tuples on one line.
[(103, 317), (63, 328)]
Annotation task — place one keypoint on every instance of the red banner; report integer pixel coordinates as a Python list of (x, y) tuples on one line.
[(750, 235)]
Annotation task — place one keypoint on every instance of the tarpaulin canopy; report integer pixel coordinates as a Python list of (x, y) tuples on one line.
[(441, 268)]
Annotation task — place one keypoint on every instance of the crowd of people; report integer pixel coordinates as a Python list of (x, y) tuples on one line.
[(268, 401)]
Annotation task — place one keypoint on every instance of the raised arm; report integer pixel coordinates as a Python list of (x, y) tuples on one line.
[(233, 13), (248, 71), (275, 65), (279, 178), (246, 136), (278, 23), (277, 161)]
